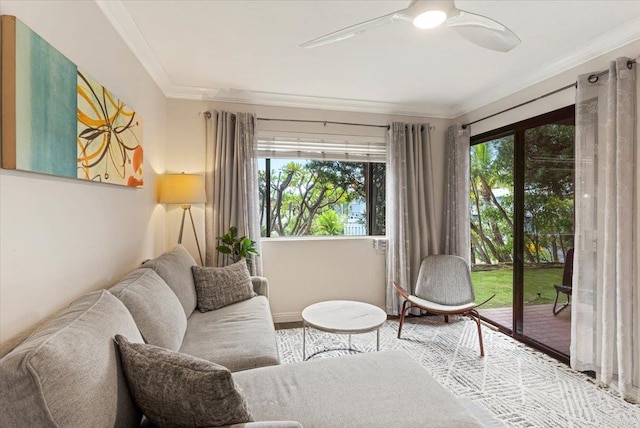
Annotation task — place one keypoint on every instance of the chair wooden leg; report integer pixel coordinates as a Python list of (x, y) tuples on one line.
[(446, 319), (404, 309), (555, 303), (474, 315)]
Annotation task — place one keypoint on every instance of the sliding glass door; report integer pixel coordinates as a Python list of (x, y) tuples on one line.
[(522, 181), (548, 231), (491, 206)]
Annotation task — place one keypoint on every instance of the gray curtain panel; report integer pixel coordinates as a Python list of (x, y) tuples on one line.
[(456, 233), (605, 327), (411, 222), (231, 182)]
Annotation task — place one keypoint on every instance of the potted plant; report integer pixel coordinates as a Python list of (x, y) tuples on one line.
[(235, 247)]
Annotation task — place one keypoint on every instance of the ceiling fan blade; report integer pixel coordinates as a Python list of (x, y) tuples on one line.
[(482, 31), (354, 30)]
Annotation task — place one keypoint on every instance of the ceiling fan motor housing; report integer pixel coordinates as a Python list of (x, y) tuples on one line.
[(418, 7)]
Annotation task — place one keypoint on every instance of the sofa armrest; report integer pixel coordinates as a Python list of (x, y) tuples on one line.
[(268, 424), (260, 285)]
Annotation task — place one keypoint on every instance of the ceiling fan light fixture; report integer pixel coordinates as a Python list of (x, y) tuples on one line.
[(478, 29), (430, 19)]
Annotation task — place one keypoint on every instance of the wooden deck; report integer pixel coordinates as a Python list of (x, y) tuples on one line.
[(539, 324)]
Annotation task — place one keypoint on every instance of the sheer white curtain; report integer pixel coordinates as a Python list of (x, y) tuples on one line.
[(410, 219), (605, 335), (231, 182), (456, 232)]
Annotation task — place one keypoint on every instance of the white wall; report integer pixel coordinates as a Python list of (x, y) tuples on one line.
[(62, 237), (300, 271), (305, 271)]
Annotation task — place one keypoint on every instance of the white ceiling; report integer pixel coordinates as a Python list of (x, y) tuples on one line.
[(247, 51)]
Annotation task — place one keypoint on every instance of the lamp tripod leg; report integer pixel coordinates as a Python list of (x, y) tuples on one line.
[(196, 235), (184, 211)]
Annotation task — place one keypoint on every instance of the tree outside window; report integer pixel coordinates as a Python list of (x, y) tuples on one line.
[(321, 197), (548, 196)]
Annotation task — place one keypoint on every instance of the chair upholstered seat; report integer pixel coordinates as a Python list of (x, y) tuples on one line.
[(443, 287), (437, 307)]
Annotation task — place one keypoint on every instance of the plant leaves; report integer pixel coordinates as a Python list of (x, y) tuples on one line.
[(223, 249), (237, 248)]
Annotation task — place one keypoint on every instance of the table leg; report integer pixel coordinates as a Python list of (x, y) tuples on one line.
[(377, 339), (349, 342), (304, 341)]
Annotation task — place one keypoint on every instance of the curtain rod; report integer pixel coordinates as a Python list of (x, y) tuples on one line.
[(323, 122), (207, 114), (387, 127), (592, 79)]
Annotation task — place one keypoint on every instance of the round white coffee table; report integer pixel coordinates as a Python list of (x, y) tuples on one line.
[(342, 317)]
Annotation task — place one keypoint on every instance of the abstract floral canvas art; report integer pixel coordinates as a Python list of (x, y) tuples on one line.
[(109, 136), (58, 120)]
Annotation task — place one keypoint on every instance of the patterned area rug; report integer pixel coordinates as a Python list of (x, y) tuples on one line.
[(519, 386)]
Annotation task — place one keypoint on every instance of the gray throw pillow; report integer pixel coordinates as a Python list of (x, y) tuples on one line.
[(179, 390), (218, 287)]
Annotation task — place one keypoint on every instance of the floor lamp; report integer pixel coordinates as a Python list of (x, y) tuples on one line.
[(183, 189)]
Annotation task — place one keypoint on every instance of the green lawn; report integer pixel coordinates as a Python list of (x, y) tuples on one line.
[(536, 280)]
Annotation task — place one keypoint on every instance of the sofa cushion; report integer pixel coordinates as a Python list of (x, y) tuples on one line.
[(174, 267), (377, 389), (68, 372), (217, 287), (239, 336), (178, 390), (155, 308)]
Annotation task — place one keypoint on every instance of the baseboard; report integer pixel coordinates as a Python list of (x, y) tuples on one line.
[(287, 317)]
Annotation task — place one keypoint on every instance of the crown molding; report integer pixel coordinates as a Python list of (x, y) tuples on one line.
[(323, 103), (239, 96), (120, 19), (621, 36)]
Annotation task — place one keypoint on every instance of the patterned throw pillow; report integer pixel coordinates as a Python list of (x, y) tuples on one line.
[(179, 390), (218, 287)]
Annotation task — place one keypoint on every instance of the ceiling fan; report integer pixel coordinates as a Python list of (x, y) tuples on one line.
[(426, 14)]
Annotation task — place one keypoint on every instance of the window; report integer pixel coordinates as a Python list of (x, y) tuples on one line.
[(321, 189)]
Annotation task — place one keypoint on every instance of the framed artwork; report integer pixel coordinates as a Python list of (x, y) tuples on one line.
[(58, 120)]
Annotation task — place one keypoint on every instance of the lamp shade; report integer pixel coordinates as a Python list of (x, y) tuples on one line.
[(181, 189)]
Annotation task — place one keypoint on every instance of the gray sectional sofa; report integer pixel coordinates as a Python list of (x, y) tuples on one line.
[(68, 373)]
